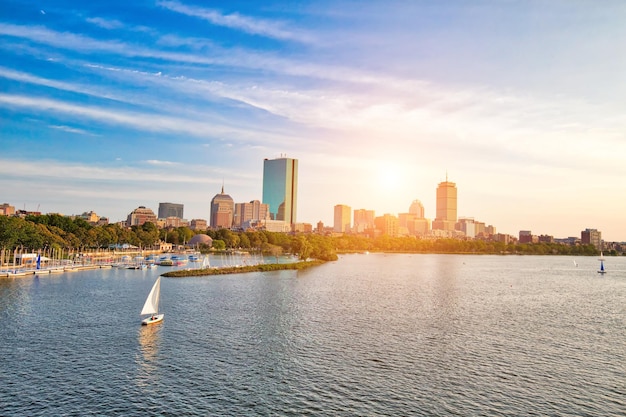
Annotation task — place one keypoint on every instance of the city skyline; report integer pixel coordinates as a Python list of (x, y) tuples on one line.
[(111, 106)]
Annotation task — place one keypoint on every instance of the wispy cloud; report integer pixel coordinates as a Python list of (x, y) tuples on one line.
[(160, 163), (72, 130), (253, 26), (143, 121), (105, 23)]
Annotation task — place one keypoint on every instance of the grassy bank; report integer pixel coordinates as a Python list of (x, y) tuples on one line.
[(241, 269)]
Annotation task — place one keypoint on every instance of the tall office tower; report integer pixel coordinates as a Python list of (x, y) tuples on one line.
[(363, 220), (591, 237), (342, 218), (222, 210), (446, 206), (417, 208), (280, 188), (170, 210), (246, 213)]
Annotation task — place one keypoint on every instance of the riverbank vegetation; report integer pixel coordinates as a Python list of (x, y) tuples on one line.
[(180, 273), (53, 231)]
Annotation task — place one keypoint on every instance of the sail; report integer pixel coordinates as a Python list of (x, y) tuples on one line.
[(601, 266), (152, 302)]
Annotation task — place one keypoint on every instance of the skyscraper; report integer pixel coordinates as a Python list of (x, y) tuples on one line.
[(417, 208), (342, 218), (170, 210), (280, 188), (363, 220), (222, 210), (446, 206), (250, 212)]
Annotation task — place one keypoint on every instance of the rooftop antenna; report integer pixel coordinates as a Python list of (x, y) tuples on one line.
[(222, 185)]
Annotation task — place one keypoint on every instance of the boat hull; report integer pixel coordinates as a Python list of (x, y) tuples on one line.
[(157, 318)]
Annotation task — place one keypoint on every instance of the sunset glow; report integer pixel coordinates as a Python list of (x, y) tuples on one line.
[(106, 108)]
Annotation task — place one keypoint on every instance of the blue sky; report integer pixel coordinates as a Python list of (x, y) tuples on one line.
[(107, 106)]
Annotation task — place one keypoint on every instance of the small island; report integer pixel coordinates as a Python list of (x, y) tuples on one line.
[(182, 273)]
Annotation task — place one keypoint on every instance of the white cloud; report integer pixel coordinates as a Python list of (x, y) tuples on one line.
[(69, 129), (105, 23), (142, 121), (254, 26)]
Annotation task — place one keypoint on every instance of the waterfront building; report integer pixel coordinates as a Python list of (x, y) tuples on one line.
[(467, 226), (222, 211), (526, 236), (591, 237), (275, 226), (446, 206), (141, 215), (387, 224), (174, 221), (546, 239), (363, 220), (302, 228), (198, 224), (280, 188), (170, 210), (342, 218), (250, 213), (7, 210), (417, 209)]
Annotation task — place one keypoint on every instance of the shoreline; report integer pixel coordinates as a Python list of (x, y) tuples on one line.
[(184, 273)]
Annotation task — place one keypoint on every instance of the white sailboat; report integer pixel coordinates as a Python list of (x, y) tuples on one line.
[(601, 259), (152, 305)]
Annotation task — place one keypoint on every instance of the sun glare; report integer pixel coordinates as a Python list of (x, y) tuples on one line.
[(389, 177)]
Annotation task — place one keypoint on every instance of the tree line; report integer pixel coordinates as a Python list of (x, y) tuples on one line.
[(54, 231)]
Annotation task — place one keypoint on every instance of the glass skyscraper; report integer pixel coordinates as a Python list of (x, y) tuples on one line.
[(280, 188), (170, 210)]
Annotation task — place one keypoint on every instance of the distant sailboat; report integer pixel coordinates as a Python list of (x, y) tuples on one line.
[(601, 259), (152, 305)]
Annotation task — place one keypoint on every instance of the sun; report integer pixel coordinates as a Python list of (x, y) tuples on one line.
[(390, 177)]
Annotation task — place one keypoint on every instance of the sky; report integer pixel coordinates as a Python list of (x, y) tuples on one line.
[(107, 105)]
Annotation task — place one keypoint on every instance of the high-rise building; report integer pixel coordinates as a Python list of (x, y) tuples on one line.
[(591, 237), (141, 215), (363, 220), (417, 208), (342, 218), (280, 188), (170, 210), (247, 213), (467, 225), (446, 206), (387, 224), (222, 211)]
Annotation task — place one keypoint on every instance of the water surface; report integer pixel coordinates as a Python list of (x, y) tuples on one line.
[(366, 335)]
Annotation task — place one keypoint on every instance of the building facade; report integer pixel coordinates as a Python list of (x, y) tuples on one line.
[(363, 220), (198, 224), (222, 211), (280, 188), (591, 237), (7, 209), (141, 215), (417, 209), (170, 210), (342, 218), (249, 213), (387, 224), (446, 206)]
